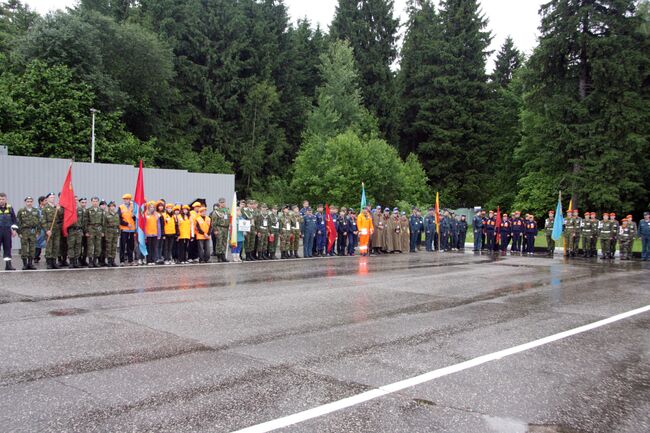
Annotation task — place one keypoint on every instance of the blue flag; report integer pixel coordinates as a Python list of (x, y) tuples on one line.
[(363, 195), (558, 223)]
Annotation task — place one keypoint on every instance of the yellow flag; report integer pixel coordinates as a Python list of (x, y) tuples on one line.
[(570, 205)]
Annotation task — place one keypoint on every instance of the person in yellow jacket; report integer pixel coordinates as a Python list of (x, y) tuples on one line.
[(184, 233), (193, 249), (151, 231), (366, 229), (202, 229), (170, 231)]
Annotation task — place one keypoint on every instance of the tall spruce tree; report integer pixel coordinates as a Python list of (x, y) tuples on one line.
[(508, 60), (371, 29), (587, 110), (445, 97)]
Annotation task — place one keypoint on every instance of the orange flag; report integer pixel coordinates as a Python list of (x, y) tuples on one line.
[(68, 203)]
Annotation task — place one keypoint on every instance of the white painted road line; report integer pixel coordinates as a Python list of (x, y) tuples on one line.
[(426, 377)]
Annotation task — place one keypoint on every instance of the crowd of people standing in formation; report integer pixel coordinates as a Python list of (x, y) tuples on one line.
[(181, 233)]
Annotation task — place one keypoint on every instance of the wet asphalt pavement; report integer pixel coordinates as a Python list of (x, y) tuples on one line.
[(215, 348)]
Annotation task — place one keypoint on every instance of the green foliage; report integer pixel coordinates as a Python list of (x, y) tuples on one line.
[(587, 110), (45, 112), (371, 29), (415, 188), (332, 169)]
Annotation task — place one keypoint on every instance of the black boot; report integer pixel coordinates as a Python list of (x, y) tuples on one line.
[(111, 263), (64, 262), (8, 266), (83, 262), (91, 262), (74, 263), (223, 258), (30, 264), (25, 266), (295, 254)]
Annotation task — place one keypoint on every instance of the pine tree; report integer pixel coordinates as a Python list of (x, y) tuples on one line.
[(508, 60), (587, 109), (371, 29), (445, 97)]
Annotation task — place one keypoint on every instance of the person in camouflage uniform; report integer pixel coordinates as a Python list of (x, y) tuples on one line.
[(274, 235), (94, 229), (296, 231), (263, 224), (625, 235), (595, 224), (51, 222), (111, 232), (285, 233), (248, 213), (29, 224), (578, 229), (605, 235), (75, 236), (615, 226), (220, 227), (587, 228), (570, 233), (548, 230)]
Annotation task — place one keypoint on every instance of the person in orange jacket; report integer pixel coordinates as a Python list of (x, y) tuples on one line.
[(202, 230), (366, 229), (184, 233)]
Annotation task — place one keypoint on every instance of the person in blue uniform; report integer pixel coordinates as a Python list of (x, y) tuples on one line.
[(342, 230), (445, 229), (505, 231), (353, 232), (462, 233), (517, 228), (309, 228), (453, 231), (490, 231), (321, 232), (335, 219), (429, 229), (530, 231), (484, 233), (477, 227), (415, 226)]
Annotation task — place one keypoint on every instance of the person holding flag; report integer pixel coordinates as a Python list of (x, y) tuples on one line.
[(549, 226), (140, 220)]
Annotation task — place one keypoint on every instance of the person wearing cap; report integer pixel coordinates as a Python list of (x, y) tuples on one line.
[(605, 228), (334, 215), (220, 228), (405, 232), (184, 234), (505, 233), (490, 231), (570, 234), (644, 234), (40, 236), (29, 225), (586, 232), (484, 217), (170, 232), (111, 233), (151, 231), (274, 232), (415, 227), (445, 231), (127, 229), (94, 230), (453, 231), (366, 229), (296, 231), (548, 231), (203, 233), (353, 232), (192, 246), (517, 230), (263, 224), (530, 231), (462, 233), (429, 227), (248, 213), (51, 222), (578, 231), (342, 233), (285, 233), (392, 239), (615, 226), (477, 229), (8, 227), (321, 232), (160, 211), (625, 236), (377, 237), (634, 230), (308, 232)]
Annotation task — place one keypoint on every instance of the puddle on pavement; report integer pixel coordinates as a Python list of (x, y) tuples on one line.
[(67, 312), (513, 425)]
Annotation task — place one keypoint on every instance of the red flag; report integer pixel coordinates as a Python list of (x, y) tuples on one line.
[(331, 228), (139, 204), (498, 225), (68, 203)]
